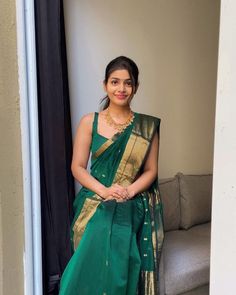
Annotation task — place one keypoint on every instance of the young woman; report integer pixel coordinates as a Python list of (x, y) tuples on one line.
[(117, 232)]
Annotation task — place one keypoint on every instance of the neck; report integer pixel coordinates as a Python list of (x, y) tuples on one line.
[(119, 111)]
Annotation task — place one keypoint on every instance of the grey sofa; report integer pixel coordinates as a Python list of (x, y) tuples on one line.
[(185, 259)]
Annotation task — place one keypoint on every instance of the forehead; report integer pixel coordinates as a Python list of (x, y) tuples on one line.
[(120, 74)]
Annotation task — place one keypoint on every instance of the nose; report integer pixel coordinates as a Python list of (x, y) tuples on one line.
[(122, 87)]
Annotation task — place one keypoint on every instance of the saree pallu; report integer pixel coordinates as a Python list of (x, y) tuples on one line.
[(117, 245)]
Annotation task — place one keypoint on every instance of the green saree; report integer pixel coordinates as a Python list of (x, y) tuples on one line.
[(117, 246)]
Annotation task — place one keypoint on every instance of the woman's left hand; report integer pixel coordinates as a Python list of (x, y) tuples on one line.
[(121, 191)]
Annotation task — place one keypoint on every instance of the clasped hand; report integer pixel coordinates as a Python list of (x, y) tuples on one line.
[(116, 192)]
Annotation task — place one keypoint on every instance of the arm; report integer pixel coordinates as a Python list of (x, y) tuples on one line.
[(81, 152), (150, 170)]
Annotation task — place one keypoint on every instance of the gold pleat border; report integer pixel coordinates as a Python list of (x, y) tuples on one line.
[(149, 284), (87, 212), (132, 159), (136, 150)]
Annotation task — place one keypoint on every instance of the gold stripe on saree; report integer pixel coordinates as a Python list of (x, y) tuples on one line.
[(87, 212), (102, 148), (132, 160), (135, 151), (149, 281)]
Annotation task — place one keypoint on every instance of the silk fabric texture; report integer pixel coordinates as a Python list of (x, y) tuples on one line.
[(117, 245)]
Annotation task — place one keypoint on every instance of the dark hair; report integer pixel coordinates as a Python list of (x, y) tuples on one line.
[(120, 63)]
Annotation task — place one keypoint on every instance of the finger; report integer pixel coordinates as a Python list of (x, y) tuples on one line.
[(122, 191), (109, 198), (116, 195), (121, 200), (120, 194), (119, 190), (124, 196), (126, 193), (115, 192)]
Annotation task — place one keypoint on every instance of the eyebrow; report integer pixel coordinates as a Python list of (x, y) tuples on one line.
[(120, 79)]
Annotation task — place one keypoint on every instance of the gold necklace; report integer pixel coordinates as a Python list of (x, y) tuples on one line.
[(119, 126)]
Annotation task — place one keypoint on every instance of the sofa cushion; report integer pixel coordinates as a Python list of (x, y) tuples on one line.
[(186, 259), (203, 290), (195, 199), (169, 191)]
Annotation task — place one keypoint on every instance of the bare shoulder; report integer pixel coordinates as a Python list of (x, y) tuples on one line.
[(87, 118), (86, 122), (101, 117)]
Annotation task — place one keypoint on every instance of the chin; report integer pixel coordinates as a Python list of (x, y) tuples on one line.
[(124, 103)]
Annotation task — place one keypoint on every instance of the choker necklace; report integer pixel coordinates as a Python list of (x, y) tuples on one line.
[(119, 126)]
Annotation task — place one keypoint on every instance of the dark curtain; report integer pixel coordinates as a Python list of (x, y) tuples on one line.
[(57, 184)]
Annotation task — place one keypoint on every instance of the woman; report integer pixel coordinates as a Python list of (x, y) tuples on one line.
[(117, 232)]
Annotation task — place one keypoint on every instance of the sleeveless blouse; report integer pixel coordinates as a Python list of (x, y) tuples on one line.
[(97, 139)]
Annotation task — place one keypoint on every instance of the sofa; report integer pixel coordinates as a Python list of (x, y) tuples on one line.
[(185, 258)]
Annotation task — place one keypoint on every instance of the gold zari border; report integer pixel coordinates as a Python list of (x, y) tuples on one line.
[(150, 286), (87, 212), (131, 160), (135, 151), (102, 148)]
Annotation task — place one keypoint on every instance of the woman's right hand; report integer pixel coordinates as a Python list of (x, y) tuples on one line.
[(114, 192)]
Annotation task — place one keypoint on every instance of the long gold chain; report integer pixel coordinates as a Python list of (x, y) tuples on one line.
[(119, 126)]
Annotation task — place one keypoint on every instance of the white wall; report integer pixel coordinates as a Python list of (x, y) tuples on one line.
[(175, 46), (223, 237)]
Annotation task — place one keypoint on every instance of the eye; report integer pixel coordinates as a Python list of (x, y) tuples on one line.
[(129, 83), (114, 82)]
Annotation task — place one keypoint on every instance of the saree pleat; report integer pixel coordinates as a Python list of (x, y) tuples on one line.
[(117, 246)]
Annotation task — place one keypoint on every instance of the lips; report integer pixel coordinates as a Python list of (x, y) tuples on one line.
[(121, 96)]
